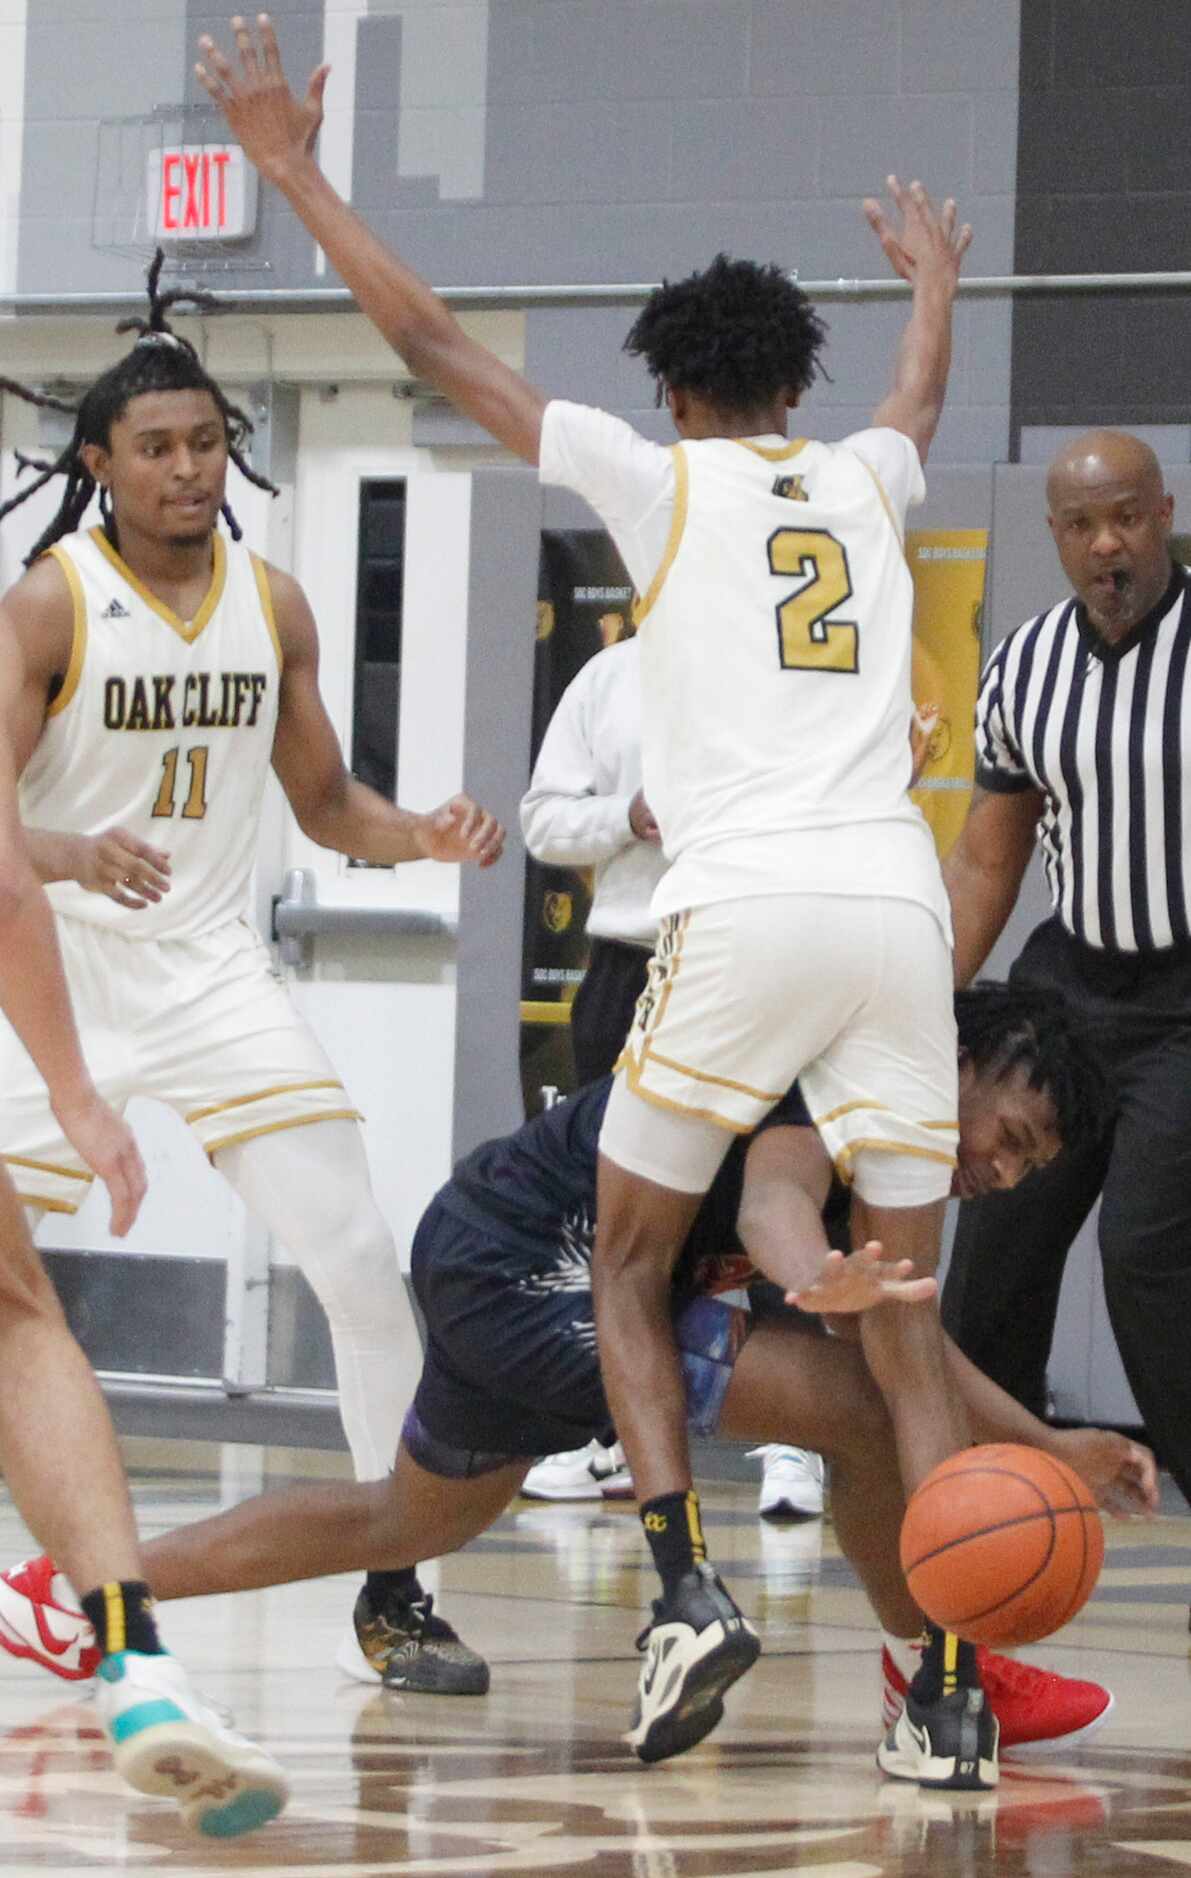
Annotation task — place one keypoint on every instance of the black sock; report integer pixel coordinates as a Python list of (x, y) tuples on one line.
[(947, 1664), (381, 1586), (121, 1616), (675, 1533)]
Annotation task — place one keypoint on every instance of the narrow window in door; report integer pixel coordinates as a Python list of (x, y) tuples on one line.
[(379, 589)]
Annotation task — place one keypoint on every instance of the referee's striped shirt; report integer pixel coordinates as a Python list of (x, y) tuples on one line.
[(1105, 732)]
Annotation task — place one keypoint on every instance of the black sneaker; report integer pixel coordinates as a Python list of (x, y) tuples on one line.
[(697, 1646), (948, 1743), (406, 1646)]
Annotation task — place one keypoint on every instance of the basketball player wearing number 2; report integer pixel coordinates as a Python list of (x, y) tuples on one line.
[(805, 930)]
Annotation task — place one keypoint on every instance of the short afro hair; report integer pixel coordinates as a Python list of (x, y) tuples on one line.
[(738, 334)]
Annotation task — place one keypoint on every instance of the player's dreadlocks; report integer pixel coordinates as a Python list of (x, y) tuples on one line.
[(161, 360), (737, 334), (1007, 1027)]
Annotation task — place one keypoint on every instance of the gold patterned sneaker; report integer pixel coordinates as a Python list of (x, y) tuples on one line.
[(406, 1645)]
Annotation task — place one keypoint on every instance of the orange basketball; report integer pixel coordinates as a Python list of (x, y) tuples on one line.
[(1002, 1544)]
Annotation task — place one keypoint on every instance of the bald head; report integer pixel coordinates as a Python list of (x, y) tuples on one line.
[(1102, 457), (1110, 516)]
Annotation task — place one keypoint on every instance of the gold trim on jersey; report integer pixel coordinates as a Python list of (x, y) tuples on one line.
[(772, 453), (212, 1148), (887, 505), (78, 642), (189, 631), (261, 1095), (262, 586), (677, 524)]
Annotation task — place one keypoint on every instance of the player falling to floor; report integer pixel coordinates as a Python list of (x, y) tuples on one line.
[(57, 1445), (502, 1266), (775, 632), (156, 669)]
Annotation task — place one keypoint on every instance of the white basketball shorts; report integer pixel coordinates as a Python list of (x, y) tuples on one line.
[(847, 995), (202, 1024)]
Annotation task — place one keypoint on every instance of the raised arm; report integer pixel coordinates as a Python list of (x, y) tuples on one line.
[(278, 133), (985, 869), (927, 251), (330, 805)]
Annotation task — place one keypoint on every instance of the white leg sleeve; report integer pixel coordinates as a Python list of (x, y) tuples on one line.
[(310, 1187)]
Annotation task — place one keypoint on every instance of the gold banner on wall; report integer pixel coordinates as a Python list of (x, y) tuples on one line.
[(947, 565)]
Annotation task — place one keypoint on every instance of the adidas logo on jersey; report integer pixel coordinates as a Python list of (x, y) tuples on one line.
[(115, 609)]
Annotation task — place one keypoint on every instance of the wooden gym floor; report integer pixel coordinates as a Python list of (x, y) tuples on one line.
[(534, 1779)]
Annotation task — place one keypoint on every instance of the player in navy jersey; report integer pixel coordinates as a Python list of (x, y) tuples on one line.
[(502, 1267)]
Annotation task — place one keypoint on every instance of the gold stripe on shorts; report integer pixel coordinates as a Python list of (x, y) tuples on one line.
[(844, 1159), (700, 1075), (275, 1128), (262, 1095), (48, 1167), (632, 1072)]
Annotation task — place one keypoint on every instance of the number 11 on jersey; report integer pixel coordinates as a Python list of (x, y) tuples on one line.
[(195, 805)]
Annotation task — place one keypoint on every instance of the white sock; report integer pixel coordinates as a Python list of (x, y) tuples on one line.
[(906, 1653)]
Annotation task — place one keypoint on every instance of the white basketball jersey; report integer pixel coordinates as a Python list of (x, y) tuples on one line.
[(775, 669), (164, 726)]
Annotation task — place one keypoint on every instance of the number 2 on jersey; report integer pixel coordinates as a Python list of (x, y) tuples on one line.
[(195, 805), (807, 640)]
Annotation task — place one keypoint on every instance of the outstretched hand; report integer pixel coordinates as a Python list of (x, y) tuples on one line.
[(927, 238), (272, 125), (1122, 1474), (461, 831), (858, 1281)]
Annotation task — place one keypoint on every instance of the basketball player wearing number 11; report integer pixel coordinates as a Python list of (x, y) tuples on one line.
[(157, 670), (804, 926)]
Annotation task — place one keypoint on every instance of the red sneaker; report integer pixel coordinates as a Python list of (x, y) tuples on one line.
[(40, 1619), (1039, 1713)]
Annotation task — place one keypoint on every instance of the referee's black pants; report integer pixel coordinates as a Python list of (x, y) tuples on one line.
[(602, 1012), (1002, 1288)]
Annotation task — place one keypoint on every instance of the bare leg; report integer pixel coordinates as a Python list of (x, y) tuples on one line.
[(57, 1447), (308, 1532), (903, 1344), (640, 1231), (816, 1392)]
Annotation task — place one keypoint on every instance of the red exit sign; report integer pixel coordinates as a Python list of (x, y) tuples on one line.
[(200, 192)]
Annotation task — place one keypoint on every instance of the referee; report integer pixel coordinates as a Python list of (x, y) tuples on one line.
[(1083, 743)]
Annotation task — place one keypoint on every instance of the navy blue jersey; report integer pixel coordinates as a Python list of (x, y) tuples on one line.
[(535, 1190)]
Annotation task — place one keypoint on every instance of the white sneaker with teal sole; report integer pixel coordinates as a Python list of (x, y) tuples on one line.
[(168, 1743)]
